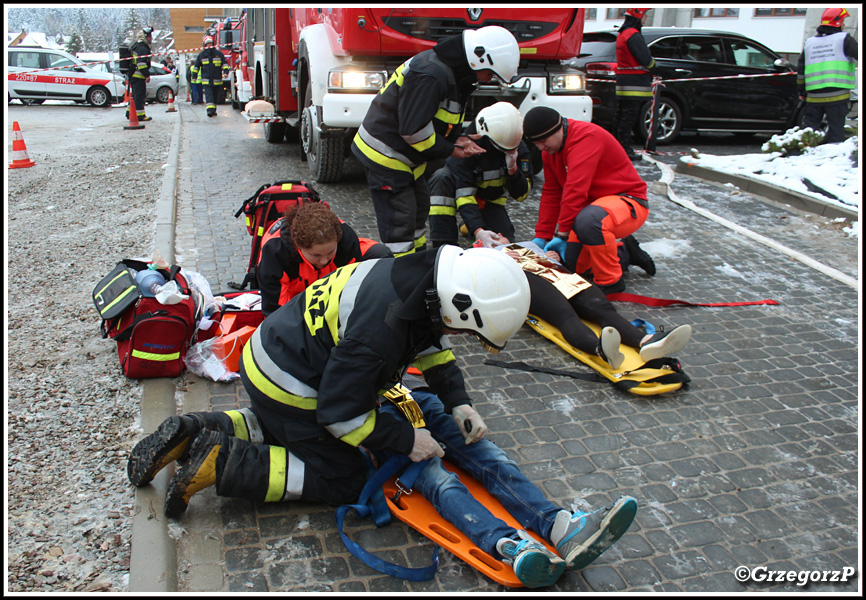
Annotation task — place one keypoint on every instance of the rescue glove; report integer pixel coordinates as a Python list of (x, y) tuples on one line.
[(425, 447), (511, 161), (540, 242), (557, 245), (489, 239), (471, 425)]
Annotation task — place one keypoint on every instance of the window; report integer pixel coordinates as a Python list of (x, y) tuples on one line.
[(717, 12), (615, 13), (703, 49), (193, 29), (27, 60), (58, 61), (748, 55), (591, 14), (780, 12), (666, 48)]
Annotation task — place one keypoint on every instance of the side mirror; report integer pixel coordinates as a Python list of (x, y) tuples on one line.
[(781, 63)]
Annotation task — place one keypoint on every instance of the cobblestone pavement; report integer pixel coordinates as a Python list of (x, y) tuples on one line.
[(755, 464)]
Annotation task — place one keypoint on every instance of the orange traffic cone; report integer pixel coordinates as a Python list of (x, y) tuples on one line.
[(171, 107), (187, 94), (20, 158), (133, 116)]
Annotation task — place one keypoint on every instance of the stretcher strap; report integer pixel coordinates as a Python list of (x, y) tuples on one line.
[(650, 301), (372, 503)]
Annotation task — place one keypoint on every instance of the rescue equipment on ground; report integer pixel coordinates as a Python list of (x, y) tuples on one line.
[(264, 208)]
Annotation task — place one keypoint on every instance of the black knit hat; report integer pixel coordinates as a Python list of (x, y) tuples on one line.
[(541, 122)]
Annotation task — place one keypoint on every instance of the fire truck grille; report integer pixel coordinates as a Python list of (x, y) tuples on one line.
[(437, 29)]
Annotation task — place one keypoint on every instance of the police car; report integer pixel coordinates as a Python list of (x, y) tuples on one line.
[(39, 74)]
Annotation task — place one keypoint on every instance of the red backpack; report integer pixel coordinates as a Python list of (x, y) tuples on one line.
[(262, 210)]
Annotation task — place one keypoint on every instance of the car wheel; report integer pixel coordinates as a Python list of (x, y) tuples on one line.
[(275, 132), (32, 101), (670, 121), (98, 96), (162, 94), (325, 155)]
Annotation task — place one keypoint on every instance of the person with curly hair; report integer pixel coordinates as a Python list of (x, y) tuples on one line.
[(306, 244)]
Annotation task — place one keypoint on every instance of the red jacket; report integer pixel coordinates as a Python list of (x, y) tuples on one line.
[(590, 165)]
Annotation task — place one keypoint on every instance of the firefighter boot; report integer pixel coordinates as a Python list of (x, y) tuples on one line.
[(196, 473)]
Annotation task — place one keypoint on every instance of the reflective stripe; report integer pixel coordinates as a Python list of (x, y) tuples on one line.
[(277, 474), (270, 389), (422, 134), (349, 294), (321, 310), (466, 200), (257, 436), (443, 211), (120, 298), (155, 357), (441, 201), (354, 431), (434, 359), (466, 191), (238, 425), (263, 363), (294, 478), (401, 248), (380, 152)]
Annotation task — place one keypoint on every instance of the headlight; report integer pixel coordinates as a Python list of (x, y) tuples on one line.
[(566, 83), (361, 81)]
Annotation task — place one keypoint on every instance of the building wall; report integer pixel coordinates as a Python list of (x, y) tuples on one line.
[(190, 24)]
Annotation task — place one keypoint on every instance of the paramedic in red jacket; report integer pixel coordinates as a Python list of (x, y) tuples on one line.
[(592, 195), (308, 243)]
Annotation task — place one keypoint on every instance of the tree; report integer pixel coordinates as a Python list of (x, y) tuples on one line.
[(75, 44)]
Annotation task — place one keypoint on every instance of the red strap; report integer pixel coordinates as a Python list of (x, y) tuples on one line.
[(650, 301)]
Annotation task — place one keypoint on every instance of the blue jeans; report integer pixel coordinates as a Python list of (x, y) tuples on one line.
[(490, 466)]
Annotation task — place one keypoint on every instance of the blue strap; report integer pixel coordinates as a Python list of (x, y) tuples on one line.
[(649, 328), (372, 503)]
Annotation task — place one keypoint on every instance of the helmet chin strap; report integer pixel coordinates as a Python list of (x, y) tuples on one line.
[(434, 308)]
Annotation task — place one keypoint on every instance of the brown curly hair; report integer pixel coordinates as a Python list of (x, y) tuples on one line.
[(312, 223)]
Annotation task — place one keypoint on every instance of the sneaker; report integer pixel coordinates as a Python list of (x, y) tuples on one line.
[(161, 447), (666, 343), (608, 346), (638, 256), (613, 288), (195, 474), (582, 537), (534, 565)]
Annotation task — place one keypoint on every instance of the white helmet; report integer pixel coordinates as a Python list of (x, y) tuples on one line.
[(492, 47), (502, 124), (482, 291)]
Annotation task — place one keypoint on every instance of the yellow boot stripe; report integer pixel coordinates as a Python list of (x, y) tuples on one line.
[(239, 424), (277, 474)]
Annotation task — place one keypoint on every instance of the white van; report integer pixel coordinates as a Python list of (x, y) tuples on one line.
[(162, 84), (39, 74)]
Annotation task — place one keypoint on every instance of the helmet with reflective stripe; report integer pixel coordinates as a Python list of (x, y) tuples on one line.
[(207, 40), (502, 124), (482, 291), (834, 17), (492, 47), (637, 12)]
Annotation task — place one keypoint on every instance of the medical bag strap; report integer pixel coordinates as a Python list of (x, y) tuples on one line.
[(676, 375), (650, 301), (250, 199), (370, 504), (521, 366)]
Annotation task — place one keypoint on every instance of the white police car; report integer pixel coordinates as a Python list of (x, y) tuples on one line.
[(39, 74)]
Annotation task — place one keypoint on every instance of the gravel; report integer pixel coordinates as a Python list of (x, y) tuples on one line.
[(72, 416)]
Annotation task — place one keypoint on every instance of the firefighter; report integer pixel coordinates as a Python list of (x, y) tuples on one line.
[(309, 242), (140, 76), (208, 71), (417, 117), (314, 371), (592, 196), (478, 186), (825, 75), (633, 79)]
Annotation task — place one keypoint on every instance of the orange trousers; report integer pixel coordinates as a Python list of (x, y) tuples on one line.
[(597, 229)]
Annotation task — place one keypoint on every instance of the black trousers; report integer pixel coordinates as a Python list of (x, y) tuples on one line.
[(138, 88), (835, 113)]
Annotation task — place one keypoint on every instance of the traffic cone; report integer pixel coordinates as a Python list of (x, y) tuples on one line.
[(187, 94), (20, 158), (133, 116), (171, 107)]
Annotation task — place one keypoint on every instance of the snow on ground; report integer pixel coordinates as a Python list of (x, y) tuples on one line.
[(829, 167)]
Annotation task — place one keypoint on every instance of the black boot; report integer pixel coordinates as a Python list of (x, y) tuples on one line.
[(638, 256)]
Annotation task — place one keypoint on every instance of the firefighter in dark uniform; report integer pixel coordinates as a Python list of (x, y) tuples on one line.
[(478, 186), (825, 75), (140, 72), (317, 368), (417, 117), (633, 79), (208, 69)]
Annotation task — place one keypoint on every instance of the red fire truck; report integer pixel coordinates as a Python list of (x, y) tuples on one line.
[(318, 69)]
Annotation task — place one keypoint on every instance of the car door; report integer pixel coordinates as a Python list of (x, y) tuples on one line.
[(768, 98), (66, 80), (25, 78)]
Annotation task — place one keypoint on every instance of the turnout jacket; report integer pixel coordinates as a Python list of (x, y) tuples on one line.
[(418, 114), (283, 272), (484, 178), (140, 61), (825, 69), (590, 165), (633, 61), (326, 356), (208, 66)]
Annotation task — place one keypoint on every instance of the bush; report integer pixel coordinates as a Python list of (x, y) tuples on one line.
[(793, 141)]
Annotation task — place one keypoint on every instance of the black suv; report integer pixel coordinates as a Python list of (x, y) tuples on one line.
[(747, 105)]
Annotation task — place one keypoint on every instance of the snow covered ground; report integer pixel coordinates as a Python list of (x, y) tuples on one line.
[(833, 168)]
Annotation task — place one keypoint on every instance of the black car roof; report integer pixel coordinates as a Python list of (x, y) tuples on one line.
[(652, 33)]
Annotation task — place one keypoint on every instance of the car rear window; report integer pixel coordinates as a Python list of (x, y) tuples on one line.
[(27, 60)]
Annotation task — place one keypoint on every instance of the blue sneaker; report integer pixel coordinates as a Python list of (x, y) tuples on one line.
[(534, 565), (582, 537)]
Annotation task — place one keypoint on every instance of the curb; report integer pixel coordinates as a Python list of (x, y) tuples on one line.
[(768, 191), (153, 554)]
